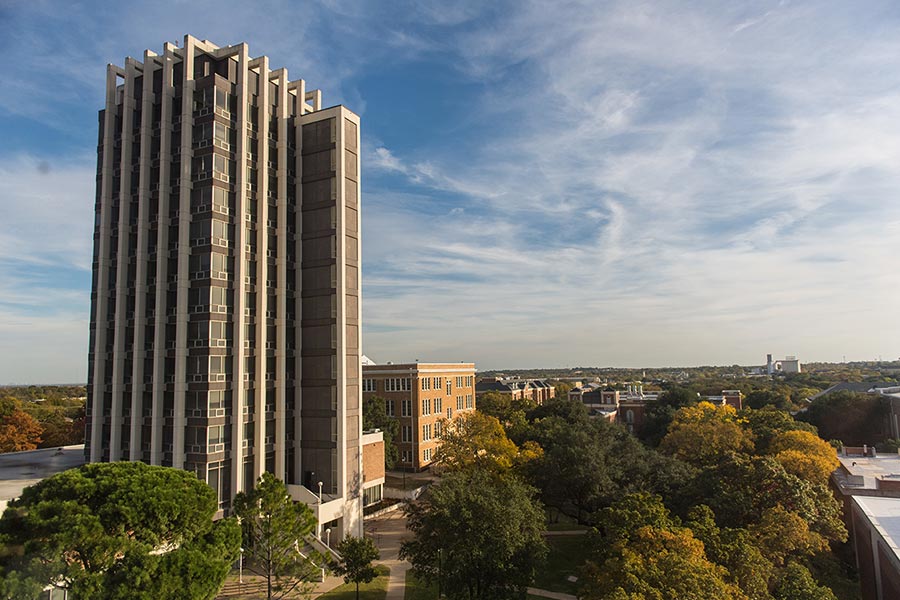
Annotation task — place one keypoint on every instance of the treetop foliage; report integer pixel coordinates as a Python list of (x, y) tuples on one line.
[(479, 532), (477, 439), (91, 529), (854, 418), (274, 526), (375, 417)]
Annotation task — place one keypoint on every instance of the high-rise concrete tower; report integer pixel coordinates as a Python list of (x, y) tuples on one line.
[(225, 313)]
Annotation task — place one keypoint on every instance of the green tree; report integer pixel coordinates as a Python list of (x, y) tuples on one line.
[(61, 431), (735, 550), (766, 423), (477, 439), (779, 400), (478, 533), (511, 413), (589, 463), (117, 530), (643, 552), (740, 489), (355, 565), (274, 528), (853, 418), (795, 582), (375, 417), (660, 413)]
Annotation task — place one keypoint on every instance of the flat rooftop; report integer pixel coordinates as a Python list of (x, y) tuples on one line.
[(872, 468), (418, 366), (884, 514), (18, 470)]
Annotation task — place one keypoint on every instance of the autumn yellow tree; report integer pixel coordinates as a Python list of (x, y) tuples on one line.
[(703, 433), (805, 455), (642, 552), (476, 439), (18, 430), (781, 534)]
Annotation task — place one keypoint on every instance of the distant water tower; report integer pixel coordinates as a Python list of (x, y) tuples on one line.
[(770, 367)]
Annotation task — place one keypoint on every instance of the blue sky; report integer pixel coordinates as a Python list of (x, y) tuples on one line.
[(574, 183)]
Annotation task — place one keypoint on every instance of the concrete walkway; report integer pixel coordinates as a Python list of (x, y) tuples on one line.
[(549, 594), (388, 532)]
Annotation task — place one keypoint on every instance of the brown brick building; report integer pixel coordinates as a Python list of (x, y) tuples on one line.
[(372, 466), (422, 396)]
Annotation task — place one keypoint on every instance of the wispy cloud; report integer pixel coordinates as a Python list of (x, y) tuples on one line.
[(689, 182), (600, 183)]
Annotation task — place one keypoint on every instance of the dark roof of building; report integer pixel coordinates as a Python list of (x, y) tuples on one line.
[(854, 386)]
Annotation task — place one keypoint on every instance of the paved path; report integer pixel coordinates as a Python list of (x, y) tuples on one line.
[(549, 594), (388, 531)]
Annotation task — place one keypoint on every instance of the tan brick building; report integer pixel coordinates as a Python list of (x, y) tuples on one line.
[(422, 396)]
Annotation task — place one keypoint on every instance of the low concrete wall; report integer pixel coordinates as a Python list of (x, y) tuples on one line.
[(384, 511), (412, 494)]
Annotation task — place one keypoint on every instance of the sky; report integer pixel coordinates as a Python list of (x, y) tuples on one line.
[(594, 183)]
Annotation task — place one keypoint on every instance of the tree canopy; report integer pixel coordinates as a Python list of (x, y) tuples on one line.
[(375, 417), (703, 433), (18, 430), (117, 530), (274, 527), (477, 439), (479, 533), (588, 463), (805, 455), (642, 552), (355, 565), (853, 418)]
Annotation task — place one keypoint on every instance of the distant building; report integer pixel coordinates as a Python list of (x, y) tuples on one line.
[(629, 406), (423, 397), (884, 388), (733, 398), (537, 390), (790, 364)]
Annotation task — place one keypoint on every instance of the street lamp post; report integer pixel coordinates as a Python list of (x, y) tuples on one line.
[(241, 568), (328, 537), (320, 492)]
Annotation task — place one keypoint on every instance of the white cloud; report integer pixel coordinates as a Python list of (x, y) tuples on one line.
[(629, 183), (691, 184)]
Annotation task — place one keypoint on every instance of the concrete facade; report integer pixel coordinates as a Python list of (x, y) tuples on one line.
[(876, 539), (225, 313), (422, 397)]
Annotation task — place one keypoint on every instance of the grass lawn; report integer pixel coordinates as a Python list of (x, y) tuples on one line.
[(418, 590), (567, 554), (374, 590)]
